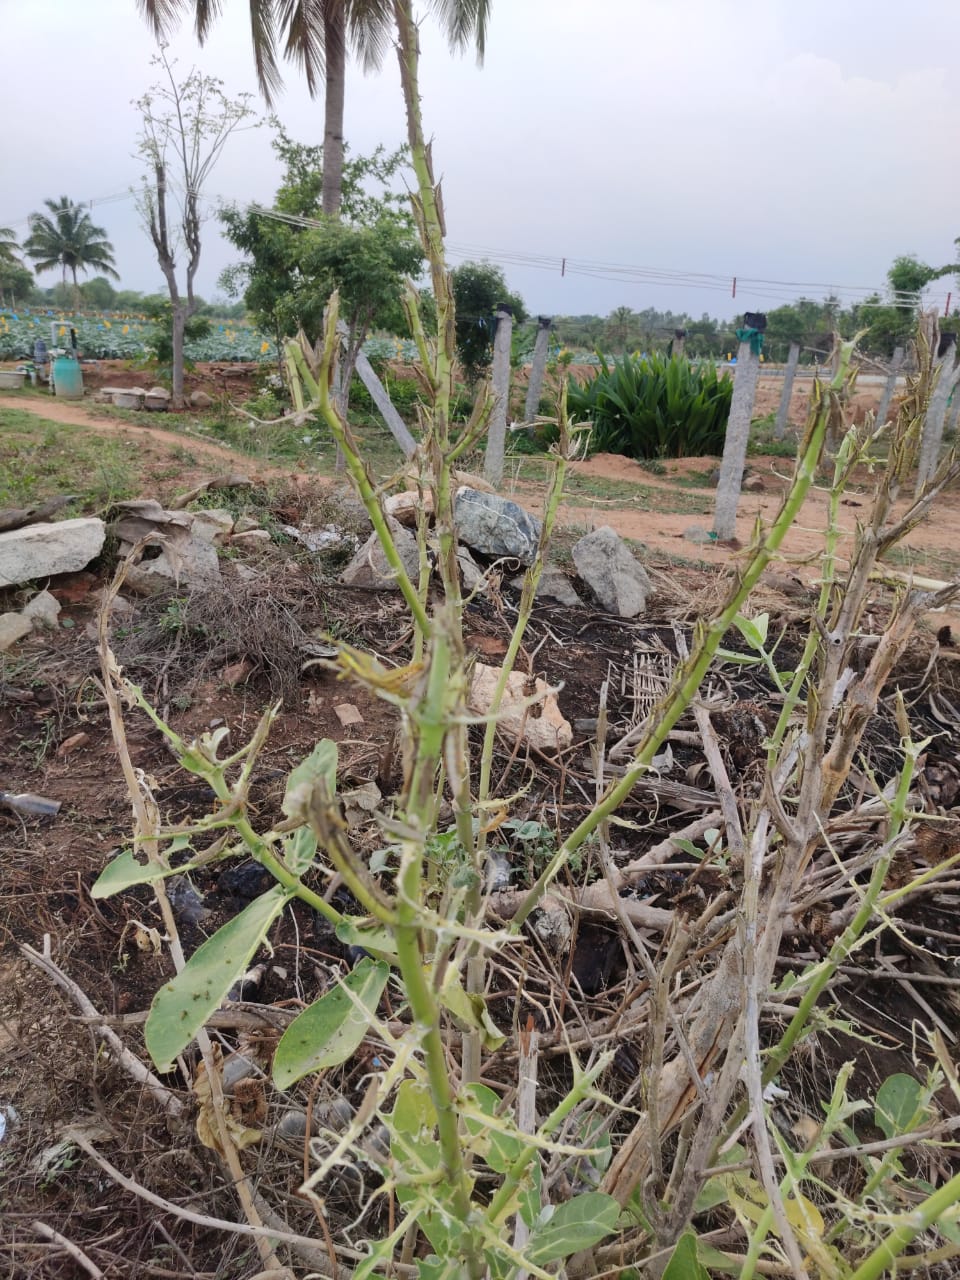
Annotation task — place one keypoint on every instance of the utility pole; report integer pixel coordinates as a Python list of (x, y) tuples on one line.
[(896, 363)]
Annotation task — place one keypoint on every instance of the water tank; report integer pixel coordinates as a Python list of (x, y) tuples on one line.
[(67, 378)]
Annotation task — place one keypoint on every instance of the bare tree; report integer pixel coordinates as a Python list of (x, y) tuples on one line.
[(186, 126)]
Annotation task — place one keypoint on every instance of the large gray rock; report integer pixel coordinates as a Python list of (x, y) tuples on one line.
[(369, 567), (495, 526), (188, 556), (41, 550), (612, 572)]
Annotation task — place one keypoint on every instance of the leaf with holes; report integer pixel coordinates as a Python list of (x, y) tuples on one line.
[(125, 870), (181, 1007)]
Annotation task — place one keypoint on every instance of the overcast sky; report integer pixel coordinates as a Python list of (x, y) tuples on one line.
[(804, 144)]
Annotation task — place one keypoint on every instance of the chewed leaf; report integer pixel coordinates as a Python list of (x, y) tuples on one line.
[(181, 1007), (329, 1032), (125, 871), (320, 763)]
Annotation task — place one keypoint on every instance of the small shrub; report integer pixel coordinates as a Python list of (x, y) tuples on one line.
[(654, 407)]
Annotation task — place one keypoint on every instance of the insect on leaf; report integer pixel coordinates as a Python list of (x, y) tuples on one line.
[(181, 1007)]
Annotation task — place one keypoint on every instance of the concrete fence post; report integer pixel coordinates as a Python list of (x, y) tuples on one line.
[(538, 367), (935, 419), (789, 373), (738, 432), (500, 388), (679, 342), (381, 398), (896, 363)]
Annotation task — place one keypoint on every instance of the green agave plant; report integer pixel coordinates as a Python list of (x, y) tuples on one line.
[(653, 407)]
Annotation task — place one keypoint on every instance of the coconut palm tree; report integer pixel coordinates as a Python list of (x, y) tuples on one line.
[(68, 239), (315, 35), (9, 248)]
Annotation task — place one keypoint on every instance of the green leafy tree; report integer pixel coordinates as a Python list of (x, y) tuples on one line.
[(65, 237), (16, 282), (98, 294), (293, 263), (622, 328), (15, 279), (477, 289), (315, 34)]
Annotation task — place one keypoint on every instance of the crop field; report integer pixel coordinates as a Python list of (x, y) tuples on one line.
[(111, 335)]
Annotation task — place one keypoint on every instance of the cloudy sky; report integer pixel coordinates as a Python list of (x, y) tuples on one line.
[(661, 147)]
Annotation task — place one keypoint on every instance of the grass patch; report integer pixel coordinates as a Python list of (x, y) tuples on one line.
[(40, 459), (929, 562)]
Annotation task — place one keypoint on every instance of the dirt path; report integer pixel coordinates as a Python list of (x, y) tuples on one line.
[(934, 547), (78, 415)]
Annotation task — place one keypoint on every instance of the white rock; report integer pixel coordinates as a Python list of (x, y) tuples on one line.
[(43, 610), (471, 574), (41, 550), (553, 585), (541, 726), (250, 538), (13, 627)]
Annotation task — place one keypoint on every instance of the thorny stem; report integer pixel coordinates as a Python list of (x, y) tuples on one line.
[(691, 673), (320, 392)]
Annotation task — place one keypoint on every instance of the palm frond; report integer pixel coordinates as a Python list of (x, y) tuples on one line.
[(162, 15), (263, 37), (304, 22), (465, 22), (370, 30)]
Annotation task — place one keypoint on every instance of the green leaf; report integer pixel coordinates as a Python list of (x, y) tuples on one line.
[(299, 850), (684, 1263), (753, 630), (125, 871), (470, 1011), (320, 763), (375, 938), (181, 1007), (329, 1032), (578, 1224), (899, 1099)]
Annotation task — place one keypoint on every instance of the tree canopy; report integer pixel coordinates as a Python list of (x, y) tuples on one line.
[(294, 261), (478, 288)]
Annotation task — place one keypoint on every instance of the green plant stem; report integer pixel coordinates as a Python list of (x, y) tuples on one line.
[(531, 581), (430, 722), (884, 1256), (500, 1205), (843, 945), (692, 671), (320, 391)]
